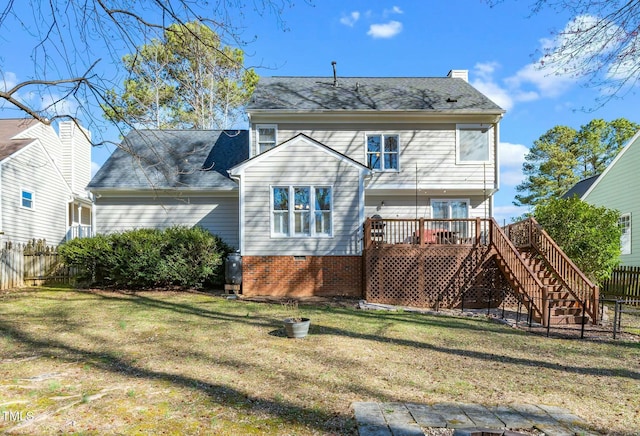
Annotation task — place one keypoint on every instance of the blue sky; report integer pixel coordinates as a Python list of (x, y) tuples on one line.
[(500, 46)]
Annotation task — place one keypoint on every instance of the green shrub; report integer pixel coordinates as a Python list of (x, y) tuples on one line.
[(588, 234), (148, 258)]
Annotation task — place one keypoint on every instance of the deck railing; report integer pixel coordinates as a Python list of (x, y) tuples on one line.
[(528, 233), (423, 231), (520, 275)]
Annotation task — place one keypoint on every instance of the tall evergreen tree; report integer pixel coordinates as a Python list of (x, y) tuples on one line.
[(186, 80), (563, 156)]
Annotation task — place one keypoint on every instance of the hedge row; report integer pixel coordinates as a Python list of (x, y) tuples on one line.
[(148, 258)]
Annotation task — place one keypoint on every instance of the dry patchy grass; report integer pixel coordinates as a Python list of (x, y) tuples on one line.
[(97, 362)]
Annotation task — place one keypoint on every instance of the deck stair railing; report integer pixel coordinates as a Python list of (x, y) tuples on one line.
[(528, 234), (519, 274)]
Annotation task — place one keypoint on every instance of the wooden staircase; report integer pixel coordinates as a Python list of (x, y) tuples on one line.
[(561, 306), (554, 290)]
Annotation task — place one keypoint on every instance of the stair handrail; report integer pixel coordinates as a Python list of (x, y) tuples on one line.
[(571, 277), (529, 283)]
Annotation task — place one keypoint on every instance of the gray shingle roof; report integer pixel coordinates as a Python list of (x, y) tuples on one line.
[(174, 159), (580, 188), (432, 94)]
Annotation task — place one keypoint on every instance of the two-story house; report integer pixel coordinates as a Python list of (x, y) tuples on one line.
[(320, 156), (43, 175), (328, 152)]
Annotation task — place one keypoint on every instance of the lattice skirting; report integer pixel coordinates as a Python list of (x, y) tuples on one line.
[(434, 276)]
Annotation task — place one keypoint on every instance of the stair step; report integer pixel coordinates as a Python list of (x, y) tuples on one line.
[(564, 310), (568, 319)]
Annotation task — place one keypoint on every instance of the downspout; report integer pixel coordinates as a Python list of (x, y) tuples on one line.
[(240, 211), (93, 214), (250, 135), (361, 210), (496, 184), (66, 218)]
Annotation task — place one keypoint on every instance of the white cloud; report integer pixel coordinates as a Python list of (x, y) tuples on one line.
[(511, 160), (512, 155), (554, 73), (351, 19), (8, 80), (546, 84), (54, 103), (506, 214), (387, 30), (498, 95), (393, 10), (94, 168)]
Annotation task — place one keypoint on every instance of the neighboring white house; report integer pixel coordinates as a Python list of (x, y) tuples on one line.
[(43, 175), (320, 156)]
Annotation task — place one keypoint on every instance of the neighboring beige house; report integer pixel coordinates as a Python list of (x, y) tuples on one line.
[(43, 175), (321, 155)]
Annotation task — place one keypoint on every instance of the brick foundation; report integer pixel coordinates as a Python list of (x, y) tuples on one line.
[(302, 276)]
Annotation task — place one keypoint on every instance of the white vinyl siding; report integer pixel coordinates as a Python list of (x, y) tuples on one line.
[(76, 156), (286, 168), (32, 171), (408, 206), (427, 153), (217, 214)]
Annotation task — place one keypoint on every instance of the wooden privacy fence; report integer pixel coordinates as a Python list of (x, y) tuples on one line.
[(31, 264), (623, 284)]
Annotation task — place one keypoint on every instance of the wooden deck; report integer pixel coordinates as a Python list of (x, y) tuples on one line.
[(473, 262)]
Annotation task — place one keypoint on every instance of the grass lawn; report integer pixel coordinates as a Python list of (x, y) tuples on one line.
[(93, 362)]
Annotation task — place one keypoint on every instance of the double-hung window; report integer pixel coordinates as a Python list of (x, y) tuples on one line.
[(27, 199), (383, 152), (625, 238), (299, 211), (472, 143), (266, 137)]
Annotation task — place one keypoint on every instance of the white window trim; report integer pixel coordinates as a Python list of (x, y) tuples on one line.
[(312, 215), (449, 200), (265, 126), (488, 128), (366, 152), (622, 251), (33, 199)]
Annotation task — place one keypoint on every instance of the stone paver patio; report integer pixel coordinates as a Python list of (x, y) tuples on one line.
[(409, 419)]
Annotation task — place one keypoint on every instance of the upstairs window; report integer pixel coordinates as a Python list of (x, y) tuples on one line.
[(27, 199), (472, 143), (383, 152), (299, 211), (625, 238), (266, 137)]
